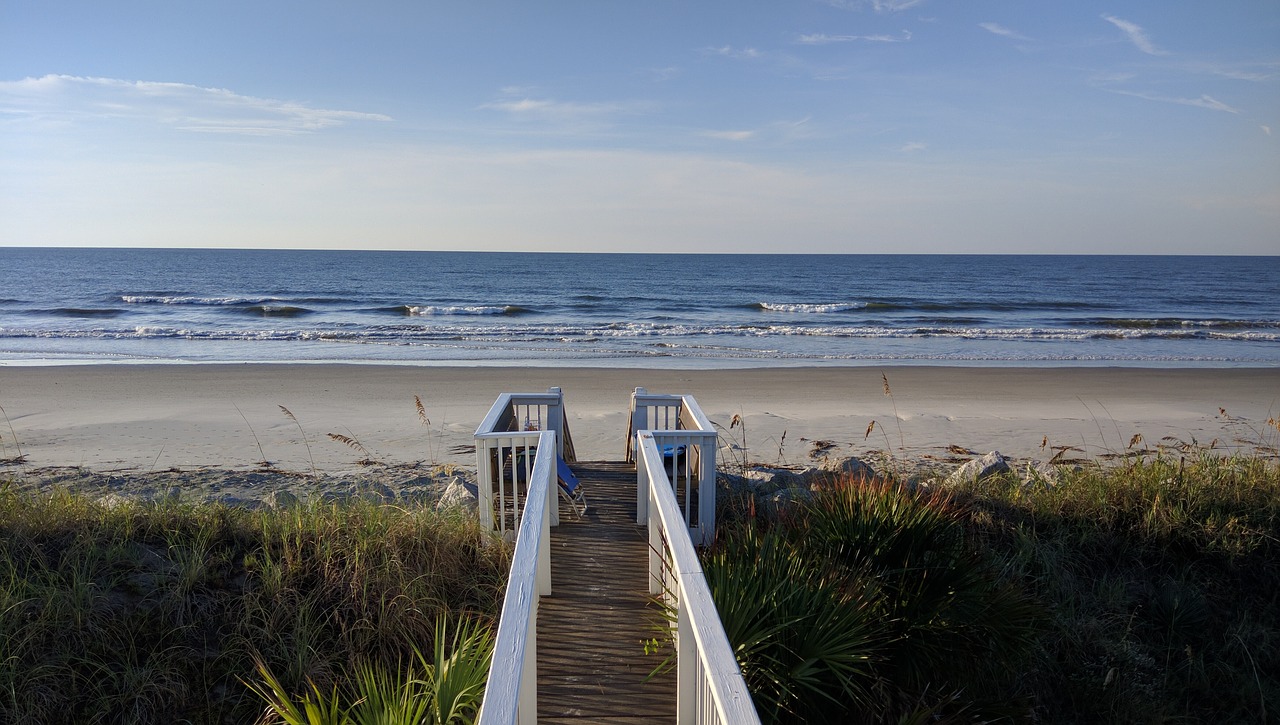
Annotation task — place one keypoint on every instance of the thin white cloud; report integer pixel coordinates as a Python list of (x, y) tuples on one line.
[(880, 6), (776, 132), (893, 6), (1265, 129), (731, 135), (1002, 31), (664, 74), (1112, 77), (560, 111), (728, 51), (913, 146), (1136, 34), (824, 39), (179, 105), (1258, 72), (1204, 101)]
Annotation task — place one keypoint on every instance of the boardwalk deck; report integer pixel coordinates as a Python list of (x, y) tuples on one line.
[(591, 661)]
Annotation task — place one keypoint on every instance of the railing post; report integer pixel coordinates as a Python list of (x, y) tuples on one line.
[(707, 491), (686, 664), (484, 486), (642, 482), (639, 421), (555, 419)]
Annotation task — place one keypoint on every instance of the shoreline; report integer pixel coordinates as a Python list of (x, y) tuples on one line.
[(162, 416)]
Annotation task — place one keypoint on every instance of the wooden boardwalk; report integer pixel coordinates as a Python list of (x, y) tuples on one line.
[(591, 661)]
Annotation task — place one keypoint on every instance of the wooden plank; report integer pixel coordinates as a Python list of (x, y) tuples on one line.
[(591, 660)]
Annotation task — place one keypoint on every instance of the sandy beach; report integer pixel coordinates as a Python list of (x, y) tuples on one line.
[(158, 417)]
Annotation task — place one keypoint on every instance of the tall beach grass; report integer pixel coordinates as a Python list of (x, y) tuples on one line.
[(163, 612), (1143, 590)]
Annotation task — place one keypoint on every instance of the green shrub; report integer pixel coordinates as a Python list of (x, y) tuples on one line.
[(868, 604)]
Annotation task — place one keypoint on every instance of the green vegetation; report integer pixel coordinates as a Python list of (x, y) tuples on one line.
[(1144, 592), (446, 688), (867, 605), (169, 612), (1163, 581)]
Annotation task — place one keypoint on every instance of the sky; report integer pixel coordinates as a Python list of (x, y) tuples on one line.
[(825, 126)]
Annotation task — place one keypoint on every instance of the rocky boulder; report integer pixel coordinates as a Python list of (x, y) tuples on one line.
[(458, 496), (852, 466), (979, 468), (1038, 473)]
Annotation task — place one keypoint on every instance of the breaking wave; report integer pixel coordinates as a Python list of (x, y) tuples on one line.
[(444, 310), (809, 308)]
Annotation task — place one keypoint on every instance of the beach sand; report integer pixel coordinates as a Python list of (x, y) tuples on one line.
[(122, 418)]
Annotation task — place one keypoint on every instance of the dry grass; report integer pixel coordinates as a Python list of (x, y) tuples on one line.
[(147, 613)]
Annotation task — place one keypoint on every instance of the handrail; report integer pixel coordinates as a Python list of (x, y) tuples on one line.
[(505, 442), (653, 411), (511, 693), (679, 426), (709, 684), (538, 410)]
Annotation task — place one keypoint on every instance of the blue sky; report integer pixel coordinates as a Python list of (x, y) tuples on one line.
[(784, 126)]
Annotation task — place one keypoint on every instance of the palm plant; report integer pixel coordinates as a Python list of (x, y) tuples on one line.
[(804, 640), (443, 689), (868, 604)]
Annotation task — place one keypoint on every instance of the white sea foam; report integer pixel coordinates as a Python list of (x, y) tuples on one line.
[(194, 300), (427, 310), (811, 308)]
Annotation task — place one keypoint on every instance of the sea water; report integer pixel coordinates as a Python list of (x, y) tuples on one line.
[(171, 305)]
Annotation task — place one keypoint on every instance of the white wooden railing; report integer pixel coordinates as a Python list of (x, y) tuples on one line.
[(709, 684), (681, 430), (516, 446), (506, 443), (511, 692)]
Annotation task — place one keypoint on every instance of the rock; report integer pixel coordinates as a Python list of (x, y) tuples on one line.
[(338, 497), (458, 496), (227, 499), (114, 500), (283, 499), (781, 502), (1039, 473), (378, 492), (979, 468), (756, 480), (852, 466), (921, 484), (788, 496)]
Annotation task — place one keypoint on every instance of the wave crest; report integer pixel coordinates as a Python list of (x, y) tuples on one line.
[(444, 310), (810, 308), (194, 300)]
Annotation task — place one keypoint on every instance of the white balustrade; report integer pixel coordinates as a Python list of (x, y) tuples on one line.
[(709, 684), (511, 693), (506, 442), (688, 444)]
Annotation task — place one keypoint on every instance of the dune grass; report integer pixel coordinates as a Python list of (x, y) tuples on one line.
[(1143, 591), (161, 612), (1162, 578)]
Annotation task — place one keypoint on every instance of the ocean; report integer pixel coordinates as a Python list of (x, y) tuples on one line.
[(61, 306)]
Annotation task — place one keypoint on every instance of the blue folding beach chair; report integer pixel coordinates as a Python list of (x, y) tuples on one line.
[(570, 488)]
